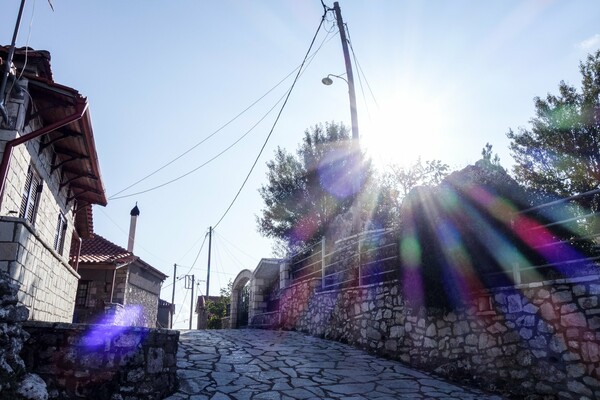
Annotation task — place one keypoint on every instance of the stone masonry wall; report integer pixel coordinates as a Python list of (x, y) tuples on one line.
[(102, 362), (145, 305), (47, 283), (15, 382), (538, 339)]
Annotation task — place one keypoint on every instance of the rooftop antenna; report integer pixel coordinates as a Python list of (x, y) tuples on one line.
[(8, 63)]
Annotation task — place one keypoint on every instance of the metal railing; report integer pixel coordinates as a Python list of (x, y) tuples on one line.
[(559, 239), (354, 261)]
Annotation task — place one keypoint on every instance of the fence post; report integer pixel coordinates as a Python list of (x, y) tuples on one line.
[(516, 268), (359, 249), (323, 249)]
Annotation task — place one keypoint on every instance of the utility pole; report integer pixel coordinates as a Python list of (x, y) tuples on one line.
[(349, 74), (208, 268), (8, 62), (173, 295), (353, 115), (189, 284)]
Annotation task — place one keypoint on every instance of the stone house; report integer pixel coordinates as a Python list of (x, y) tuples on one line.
[(116, 286), (49, 177), (254, 293)]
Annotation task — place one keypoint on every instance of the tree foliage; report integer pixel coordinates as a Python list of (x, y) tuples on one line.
[(397, 182), (217, 310), (559, 154), (307, 190)]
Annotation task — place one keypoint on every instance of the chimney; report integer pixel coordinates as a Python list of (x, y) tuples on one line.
[(135, 211)]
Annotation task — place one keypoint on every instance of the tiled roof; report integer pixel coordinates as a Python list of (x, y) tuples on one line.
[(99, 250)]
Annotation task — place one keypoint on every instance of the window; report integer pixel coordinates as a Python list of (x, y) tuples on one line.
[(31, 195), (82, 293), (61, 229)]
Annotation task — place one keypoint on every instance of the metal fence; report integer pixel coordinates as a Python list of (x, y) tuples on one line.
[(558, 239), (358, 260)]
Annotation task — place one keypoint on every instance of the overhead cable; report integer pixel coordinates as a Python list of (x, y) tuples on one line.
[(116, 196), (274, 123)]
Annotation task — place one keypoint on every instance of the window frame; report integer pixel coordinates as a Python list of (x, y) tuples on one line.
[(32, 192), (61, 232), (81, 295)]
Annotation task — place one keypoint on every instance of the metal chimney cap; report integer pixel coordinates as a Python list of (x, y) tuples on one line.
[(135, 211)]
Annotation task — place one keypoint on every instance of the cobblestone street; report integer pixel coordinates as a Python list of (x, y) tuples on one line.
[(258, 364)]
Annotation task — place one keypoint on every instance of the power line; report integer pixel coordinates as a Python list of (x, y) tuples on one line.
[(192, 266), (312, 56), (129, 237), (234, 246), (205, 163), (274, 123), (361, 72), (114, 196)]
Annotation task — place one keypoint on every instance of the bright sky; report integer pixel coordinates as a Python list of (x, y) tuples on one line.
[(446, 77)]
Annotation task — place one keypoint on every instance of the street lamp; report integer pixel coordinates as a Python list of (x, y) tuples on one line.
[(327, 81)]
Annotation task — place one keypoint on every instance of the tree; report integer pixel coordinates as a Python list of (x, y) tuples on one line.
[(397, 182), (306, 191), (217, 310), (560, 154)]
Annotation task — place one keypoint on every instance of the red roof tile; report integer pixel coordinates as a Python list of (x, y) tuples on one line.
[(99, 250)]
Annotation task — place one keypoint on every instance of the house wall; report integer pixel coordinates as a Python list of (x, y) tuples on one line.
[(142, 293), (538, 339), (47, 283)]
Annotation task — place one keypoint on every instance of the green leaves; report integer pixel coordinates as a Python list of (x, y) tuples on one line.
[(559, 154)]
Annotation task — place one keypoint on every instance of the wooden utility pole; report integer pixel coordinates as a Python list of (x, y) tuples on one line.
[(349, 74), (189, 284), (353, 117), (173, 295), (208, 268)]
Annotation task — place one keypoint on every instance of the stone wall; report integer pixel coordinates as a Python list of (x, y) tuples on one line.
[(102, 362), (15, 382), (144, 304), (47, 282), (535, 339)]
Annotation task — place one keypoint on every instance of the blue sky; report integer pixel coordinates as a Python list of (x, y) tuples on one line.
[(446, 77)]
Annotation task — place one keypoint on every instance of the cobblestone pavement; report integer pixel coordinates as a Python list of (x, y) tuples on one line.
[(258, 364)]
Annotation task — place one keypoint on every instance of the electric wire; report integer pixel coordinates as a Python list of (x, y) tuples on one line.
[(360, 70), (234, 246), (232, 257), (181, 308), (129, 237), (206, 162), (26, 52), (311, 57), (115, 195), (274, 123), (192, 266)]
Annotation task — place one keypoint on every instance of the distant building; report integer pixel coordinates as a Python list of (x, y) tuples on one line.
[(49, 178), (166, 311), (254, 292), (116, 286)]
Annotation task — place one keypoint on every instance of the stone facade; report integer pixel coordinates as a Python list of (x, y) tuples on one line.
[(15, 383), (537, 339), (101, 361), (47, 282)]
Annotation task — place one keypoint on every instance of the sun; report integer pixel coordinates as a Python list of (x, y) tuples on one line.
[(404, 128)]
